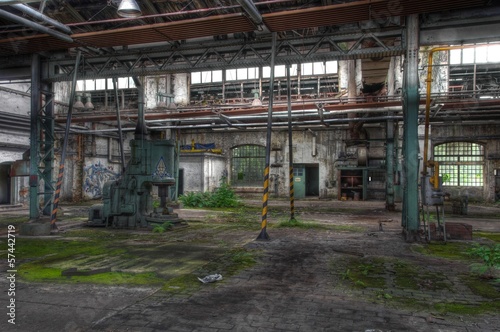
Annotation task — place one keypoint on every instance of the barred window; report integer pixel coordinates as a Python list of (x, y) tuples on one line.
[(247, 165), (460, 163)]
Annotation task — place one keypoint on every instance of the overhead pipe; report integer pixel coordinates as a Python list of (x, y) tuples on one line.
[(283, 115), (252, 11), (7, 2), (36, 14), (261, 124), (280, 124), (35, 26)]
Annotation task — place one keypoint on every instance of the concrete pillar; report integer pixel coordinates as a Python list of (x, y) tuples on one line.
[(181, 89)]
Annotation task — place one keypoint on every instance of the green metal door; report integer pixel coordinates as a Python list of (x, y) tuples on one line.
[(299, 181)]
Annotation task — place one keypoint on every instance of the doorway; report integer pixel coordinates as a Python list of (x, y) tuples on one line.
[(305, 180), (5, 184)]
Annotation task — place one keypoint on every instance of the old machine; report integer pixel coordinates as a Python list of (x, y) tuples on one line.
[(128, 201)]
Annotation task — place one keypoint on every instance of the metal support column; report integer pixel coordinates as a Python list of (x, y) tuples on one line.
[(34, 135), (290, 144), (410, 217), (265, 197), (118, 119), (46, 118), (389, 164), (53, 217)]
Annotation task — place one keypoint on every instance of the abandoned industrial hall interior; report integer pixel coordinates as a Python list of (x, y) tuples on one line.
[(250, 165)]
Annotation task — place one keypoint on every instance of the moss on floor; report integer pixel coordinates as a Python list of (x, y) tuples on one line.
[(448, 250), (488, 235)]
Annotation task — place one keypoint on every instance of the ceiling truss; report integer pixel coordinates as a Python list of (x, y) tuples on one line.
[(229, 54)]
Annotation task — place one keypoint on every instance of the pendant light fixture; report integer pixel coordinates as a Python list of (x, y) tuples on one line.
[(129, 8)]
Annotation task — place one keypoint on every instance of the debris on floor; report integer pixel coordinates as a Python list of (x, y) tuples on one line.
[(210, 278)]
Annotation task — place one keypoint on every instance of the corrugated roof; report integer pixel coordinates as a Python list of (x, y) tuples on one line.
[(200, 19)]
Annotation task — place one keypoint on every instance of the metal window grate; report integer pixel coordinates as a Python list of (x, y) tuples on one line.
[(460, 163), (247, 165)]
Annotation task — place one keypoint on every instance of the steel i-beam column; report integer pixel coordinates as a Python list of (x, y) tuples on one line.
[(34, 135), (410, 218), (389, 164)]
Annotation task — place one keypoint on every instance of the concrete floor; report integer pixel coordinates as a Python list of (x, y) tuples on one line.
[(298, 283)]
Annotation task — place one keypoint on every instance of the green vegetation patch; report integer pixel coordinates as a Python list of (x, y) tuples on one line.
[(46, 259), (13, 220), (53, 249), (413, 277), (364, 273), (37, 272), (487, 288), (492, 236), (221, 197), (185, 284), (295, 223), (127, 258), (235, 218), (346, 228), (467, 309), (232, 262), (448, 250)]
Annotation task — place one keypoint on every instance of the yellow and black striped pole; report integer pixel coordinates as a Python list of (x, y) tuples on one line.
[(292, 195), (290, 144), (55, 204), (265, 197)]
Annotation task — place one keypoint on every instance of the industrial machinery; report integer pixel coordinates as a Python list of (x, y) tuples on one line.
[(128, 201)]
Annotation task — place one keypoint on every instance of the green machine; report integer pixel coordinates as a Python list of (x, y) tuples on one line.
[(128, 201)]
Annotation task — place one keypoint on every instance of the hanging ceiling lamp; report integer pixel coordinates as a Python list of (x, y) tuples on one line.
[(129, 8), (78, 103), (88, 102)]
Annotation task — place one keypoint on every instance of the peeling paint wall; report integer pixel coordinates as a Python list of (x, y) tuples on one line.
[(15, 103), (321, 148)]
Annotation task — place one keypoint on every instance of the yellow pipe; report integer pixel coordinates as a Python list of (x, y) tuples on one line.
[(431, 163)]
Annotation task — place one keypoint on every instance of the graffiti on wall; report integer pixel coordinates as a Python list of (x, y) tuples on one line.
[(95, 176)]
